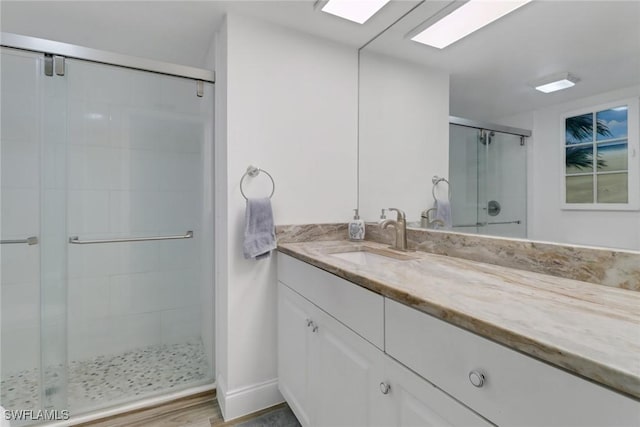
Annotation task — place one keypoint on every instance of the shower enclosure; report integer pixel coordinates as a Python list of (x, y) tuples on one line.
[(106, 225), (488, 175)]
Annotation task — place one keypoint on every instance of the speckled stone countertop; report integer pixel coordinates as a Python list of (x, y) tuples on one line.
[(587, 329)]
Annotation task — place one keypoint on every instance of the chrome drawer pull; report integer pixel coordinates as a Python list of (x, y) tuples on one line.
[(476, 378), (385, 388)]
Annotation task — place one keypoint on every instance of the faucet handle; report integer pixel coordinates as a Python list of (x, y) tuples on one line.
[(400, 212)]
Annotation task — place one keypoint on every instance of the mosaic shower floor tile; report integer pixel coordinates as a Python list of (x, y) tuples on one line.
[(107, 380)]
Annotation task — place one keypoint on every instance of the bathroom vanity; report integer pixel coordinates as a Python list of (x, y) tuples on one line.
[(370, 336)]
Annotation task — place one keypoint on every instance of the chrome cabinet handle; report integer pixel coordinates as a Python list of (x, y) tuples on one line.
[(313, 326), (477, 378), (385, 388)]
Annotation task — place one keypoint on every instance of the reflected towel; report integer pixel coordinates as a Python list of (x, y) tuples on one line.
[(259, 231), (443, 212)]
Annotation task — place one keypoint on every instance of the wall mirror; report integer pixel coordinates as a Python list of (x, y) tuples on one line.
[(470, 113)]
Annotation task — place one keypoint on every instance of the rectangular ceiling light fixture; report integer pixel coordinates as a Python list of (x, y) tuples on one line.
[(555, 82), (354, 10), (466, 19)]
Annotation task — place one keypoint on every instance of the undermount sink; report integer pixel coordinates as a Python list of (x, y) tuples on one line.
[(365, 255)]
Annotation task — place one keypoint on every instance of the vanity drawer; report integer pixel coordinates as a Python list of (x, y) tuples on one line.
[(356, 307), (517, 390)]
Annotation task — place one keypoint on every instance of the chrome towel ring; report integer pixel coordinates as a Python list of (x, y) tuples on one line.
[(437, 180), (252, 172)]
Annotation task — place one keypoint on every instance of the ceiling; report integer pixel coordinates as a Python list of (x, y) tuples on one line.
[(598, 41), (176, 31)]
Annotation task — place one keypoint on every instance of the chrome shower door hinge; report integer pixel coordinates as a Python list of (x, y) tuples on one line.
[(199, 88), (53, 64), (48, 64), (58, 65)]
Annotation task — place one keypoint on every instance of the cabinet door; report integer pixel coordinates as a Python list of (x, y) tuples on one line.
[(418, 403), (294, 352), (347, 373)]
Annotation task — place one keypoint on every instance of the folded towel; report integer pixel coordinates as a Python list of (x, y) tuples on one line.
[(443, 212), (259, 232)]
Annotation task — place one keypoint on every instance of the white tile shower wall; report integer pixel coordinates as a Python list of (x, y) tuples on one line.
[(20, 204), (135, 169)]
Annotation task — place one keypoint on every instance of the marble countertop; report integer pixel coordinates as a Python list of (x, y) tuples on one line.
[(588, 329)]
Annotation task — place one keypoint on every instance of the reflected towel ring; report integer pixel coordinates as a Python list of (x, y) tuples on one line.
[(253, 171), (437, 180)]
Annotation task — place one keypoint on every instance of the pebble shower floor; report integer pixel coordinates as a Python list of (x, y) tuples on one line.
[(105, 380)]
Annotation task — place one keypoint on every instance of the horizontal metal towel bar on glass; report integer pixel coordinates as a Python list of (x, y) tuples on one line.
[(33, 240), (482, 224), (76, 240)]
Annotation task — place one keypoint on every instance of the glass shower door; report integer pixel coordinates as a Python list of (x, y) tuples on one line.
[(106, 287), (489, 182), (504, 178), (465, 155), (139, 147), (33, 253)]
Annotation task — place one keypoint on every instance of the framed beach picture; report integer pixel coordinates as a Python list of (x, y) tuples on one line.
[(601, 162)]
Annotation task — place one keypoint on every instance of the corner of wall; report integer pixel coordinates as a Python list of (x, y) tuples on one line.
[(242, 401), (220, 209)]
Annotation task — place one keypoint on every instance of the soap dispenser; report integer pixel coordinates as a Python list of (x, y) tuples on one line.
[(356, 227)]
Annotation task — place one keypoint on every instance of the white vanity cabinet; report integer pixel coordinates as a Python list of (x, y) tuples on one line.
[(414, 402), (350, 357), (505, 386), (331, 373)]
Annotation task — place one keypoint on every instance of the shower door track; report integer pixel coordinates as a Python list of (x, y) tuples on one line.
[(34, 44), (453, 120)]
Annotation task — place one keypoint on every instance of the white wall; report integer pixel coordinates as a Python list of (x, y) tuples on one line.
[(286, 102), (547, 221), (404, 134)]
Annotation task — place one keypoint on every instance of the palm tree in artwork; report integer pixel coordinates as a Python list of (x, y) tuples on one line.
[(581, 128)]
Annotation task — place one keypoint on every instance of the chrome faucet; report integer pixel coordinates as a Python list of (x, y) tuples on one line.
[(426, 222), (400, 224)]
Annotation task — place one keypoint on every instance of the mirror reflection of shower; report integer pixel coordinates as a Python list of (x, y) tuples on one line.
[(487, 167)]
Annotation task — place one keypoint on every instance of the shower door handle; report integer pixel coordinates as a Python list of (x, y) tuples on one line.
[(76, 240), (33, 240)]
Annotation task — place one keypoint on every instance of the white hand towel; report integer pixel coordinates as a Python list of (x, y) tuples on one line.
[(259, 231), (443, 212)]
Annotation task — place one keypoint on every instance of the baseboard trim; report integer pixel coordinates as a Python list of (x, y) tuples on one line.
[(247, 400)]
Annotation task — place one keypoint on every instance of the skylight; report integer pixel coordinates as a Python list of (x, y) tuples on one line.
[(465, 20), (354, 10)]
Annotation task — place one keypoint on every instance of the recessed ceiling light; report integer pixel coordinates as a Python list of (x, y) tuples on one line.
[(555, 82), (354, 10), (466, 19)]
